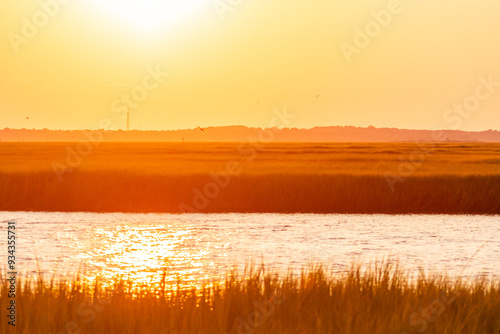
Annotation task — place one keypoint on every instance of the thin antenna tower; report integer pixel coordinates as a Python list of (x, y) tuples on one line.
[(128, 119)]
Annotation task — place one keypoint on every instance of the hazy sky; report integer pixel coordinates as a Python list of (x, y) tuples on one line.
[(72, 64)]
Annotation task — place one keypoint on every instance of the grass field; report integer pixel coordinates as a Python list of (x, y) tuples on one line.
[(251, 177), (379, 300)]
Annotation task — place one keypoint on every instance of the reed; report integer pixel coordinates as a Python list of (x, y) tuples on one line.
[(128, 192), (381, 299)]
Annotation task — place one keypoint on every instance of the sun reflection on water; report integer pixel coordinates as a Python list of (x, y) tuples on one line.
[(146, 253)]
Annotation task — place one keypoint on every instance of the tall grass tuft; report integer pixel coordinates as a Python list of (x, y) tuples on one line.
[(378, 300)]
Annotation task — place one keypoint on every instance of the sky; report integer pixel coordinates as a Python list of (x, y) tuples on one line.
[(175, 64)]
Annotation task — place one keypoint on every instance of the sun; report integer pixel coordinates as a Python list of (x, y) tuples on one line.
[(150, 15)]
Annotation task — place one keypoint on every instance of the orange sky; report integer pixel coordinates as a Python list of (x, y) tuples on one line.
[(70, 64)]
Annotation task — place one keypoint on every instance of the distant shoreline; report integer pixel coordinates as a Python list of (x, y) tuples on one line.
[(326, 134)]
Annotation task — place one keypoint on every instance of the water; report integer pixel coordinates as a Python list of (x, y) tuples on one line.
[(203, 247)]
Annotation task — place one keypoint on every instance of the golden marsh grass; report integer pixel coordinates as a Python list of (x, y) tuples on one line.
[(277, 177), (378, 300)]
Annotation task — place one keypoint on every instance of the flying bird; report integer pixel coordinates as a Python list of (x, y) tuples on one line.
[(317, 96), (199, 127)]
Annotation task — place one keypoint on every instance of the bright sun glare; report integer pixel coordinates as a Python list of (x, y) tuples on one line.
[(151, 16)]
